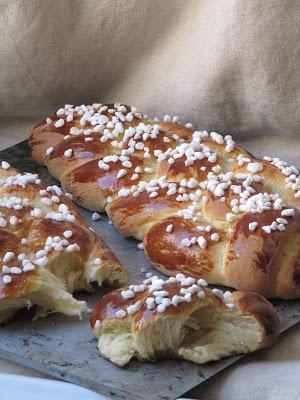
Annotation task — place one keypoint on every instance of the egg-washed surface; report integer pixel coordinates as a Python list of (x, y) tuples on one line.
[(52, 345), (47, 250), (203, 205)]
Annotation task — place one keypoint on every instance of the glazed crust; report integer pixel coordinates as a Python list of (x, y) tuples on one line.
[(25, 235), (144, 204), (245, 260)]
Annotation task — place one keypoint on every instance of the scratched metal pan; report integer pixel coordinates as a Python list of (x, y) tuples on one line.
[(65, 347)]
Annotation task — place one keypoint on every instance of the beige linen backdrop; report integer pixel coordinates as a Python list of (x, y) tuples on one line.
[(225, 65)]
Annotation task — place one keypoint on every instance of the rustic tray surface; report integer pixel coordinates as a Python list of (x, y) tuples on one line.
[(65, 348)]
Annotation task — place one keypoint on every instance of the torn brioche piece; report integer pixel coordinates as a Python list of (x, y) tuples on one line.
[(181, 318), (47, 250)]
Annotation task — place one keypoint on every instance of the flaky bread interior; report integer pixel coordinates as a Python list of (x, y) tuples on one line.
[(48, 293), (210, 335), (51, 288)]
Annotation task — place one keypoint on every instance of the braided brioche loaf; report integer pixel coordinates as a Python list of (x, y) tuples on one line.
[(47, 250), (202, 205), (181, 318)]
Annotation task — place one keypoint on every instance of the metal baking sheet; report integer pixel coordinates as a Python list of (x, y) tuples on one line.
[(65, 348)]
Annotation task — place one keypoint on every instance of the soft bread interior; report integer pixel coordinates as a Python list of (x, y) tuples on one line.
[(77, 275), (206, 334), (54, 284), (51, 295), (117, 343), (48, 293), (106, 272), (70, 270), (209, 335)]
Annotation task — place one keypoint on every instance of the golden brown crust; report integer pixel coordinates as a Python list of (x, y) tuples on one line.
[(254, 260), (108, 306), (41, 230), (274, 181), (172, 174), (22, 283), (134, 216), (44, 135), (192, 260)]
